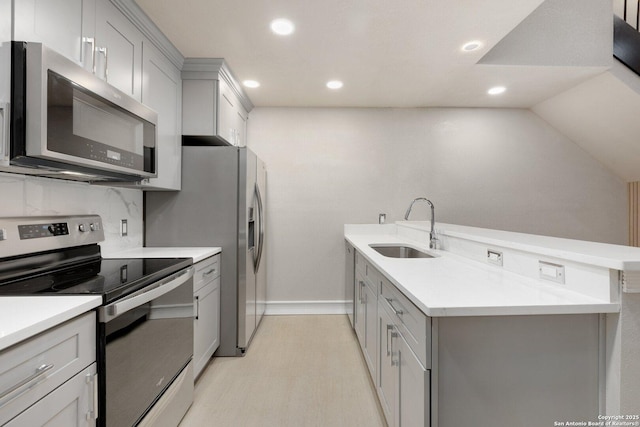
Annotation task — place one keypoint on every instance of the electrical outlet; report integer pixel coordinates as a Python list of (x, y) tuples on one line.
[(551, 272), (494, 257), (124, 229)]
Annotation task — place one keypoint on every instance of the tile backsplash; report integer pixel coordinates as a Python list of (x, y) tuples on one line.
[(33, 196)]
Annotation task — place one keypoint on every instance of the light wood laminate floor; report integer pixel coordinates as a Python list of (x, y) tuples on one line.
[(299, 371)]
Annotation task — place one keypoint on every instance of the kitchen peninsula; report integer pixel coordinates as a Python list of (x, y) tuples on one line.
[(494, 327)]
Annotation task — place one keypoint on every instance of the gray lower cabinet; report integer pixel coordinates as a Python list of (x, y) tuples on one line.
[(349, 279), (206, 323), (395, 338), (371, 326), (485, 371), (69, 405), (51, 379), (366, 321), (403, 382), (387, 383), (413, 386)]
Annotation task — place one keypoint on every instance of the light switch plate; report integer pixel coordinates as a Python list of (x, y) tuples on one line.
[(124, 228)]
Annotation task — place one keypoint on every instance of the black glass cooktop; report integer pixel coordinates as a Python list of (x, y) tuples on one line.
[(58, 273)]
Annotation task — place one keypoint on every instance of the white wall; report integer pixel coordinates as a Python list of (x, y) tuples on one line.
[(33, 196), (494, 168)]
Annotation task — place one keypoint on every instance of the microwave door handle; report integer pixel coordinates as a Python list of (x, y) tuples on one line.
[(137, 299), (4, 132)]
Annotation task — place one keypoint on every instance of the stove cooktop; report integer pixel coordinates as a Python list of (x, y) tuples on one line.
[(111, 278)]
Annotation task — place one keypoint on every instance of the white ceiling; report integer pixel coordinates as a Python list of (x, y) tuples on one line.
[(601, 116), (388, 54)]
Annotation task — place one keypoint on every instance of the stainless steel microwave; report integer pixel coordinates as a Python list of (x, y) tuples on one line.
[(67, 123)]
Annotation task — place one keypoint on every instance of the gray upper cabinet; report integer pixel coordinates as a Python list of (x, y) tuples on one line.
[(118, 52), (115, 40), (66, 26), (92, 33), (162, 91), (214, 106)]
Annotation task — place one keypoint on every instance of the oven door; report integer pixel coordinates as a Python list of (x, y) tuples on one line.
[(147, 339)]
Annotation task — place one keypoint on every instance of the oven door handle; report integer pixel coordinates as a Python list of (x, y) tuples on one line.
[(143, 296)]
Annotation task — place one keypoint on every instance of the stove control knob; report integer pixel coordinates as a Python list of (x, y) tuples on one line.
[(92, 226), (82, 228)]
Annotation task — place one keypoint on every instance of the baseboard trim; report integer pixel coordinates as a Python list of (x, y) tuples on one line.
[(305, 307)]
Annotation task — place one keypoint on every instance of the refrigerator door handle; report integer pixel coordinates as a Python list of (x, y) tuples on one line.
[(260, 228)]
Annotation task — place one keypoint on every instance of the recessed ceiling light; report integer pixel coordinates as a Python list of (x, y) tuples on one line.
[(251, 83), (334, 84), (497, 90), (471, 46), (282, 26)]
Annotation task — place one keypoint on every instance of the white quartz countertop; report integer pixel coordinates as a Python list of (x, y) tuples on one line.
[(451, 285), (24, 317), (616, 257), (197, 253)]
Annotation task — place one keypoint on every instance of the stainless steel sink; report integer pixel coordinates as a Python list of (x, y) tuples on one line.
[(399, 251)]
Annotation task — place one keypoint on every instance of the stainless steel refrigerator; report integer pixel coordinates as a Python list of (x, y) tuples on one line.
[(222, 203)]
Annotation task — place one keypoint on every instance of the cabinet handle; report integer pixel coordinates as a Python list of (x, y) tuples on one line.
[(33, 378), (213, 270), (395, 311), (360, 293), (95, 397), (93, 380), (89, 54), (197, 307), (389, 329), (394, 334), (102, 68)]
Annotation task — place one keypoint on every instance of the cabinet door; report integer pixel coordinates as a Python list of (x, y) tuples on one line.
[(63, 25), (118, 50), (228, 118), (371, 340), (414, 387), (241, 125), (161, 90), (206, 325), (387, 371), (71, 404), (349, 279)]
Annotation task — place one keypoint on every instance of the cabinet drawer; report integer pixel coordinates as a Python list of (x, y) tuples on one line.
[(206, 271), (368, 272), (413, 324), (71, 404), (39, 365)]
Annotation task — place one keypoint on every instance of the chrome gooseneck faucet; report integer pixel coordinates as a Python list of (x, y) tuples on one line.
[(432, 233)]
